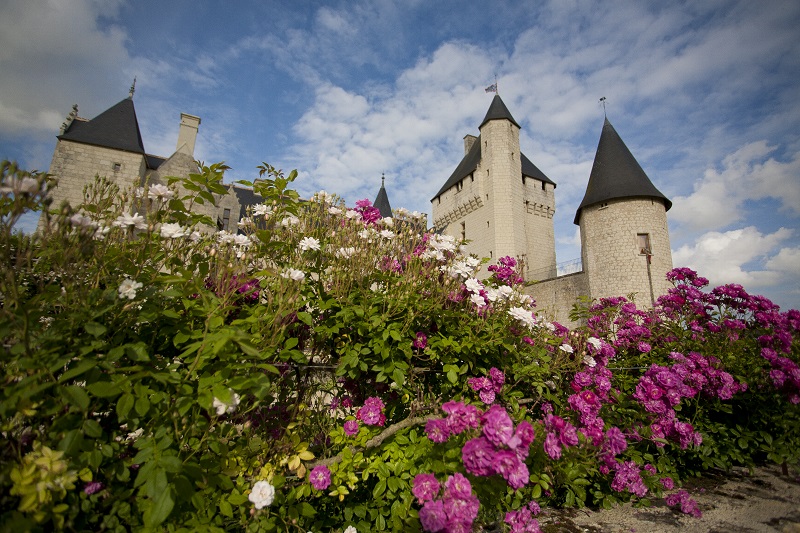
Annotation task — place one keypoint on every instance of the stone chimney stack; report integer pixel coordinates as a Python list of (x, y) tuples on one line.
[(187, 135), (469, 140)]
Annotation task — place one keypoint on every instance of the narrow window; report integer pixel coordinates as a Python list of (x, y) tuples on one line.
[(117, 167), (226, 219), (643, 243), (523, 179), (463, 231), (544, 187), (487, 223)]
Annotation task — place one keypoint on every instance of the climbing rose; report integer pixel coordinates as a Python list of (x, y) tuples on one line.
[(351, 427), (426, 487), (320, 477), (262, 495)]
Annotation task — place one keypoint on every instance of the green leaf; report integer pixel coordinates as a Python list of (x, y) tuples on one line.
[(124, 406), (104, 389), (142, 405), (162, 506), (225, 508), (379, 489), (92, 428), (76, 396), (94, 329), (79, 369)]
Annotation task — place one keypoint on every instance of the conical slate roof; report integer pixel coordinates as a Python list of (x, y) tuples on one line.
[(498, 110), (616, 174), (382, 201), (116, 127)]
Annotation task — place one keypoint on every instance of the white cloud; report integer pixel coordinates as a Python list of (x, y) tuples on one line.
[(59, 41), (744, 256), (747, 174)]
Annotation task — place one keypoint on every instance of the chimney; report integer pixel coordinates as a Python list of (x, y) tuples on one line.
[(469, 140), (187, 135)]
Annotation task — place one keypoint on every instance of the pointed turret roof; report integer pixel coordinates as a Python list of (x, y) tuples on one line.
[(498, 110), (116, 127), (617, 174), (382, 200)]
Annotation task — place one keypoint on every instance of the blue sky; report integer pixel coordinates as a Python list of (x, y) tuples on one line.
[(705, 94)]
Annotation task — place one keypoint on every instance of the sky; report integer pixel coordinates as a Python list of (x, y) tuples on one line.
[(706, 95)]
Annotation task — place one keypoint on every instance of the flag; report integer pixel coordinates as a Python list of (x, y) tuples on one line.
[(492, 88)]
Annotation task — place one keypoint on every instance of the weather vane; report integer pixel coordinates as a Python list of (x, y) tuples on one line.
[(133, 88), (603, 101)]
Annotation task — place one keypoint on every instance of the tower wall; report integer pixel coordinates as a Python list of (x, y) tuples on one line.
[(76, 165), (463, 211), (611, 254), (539, 207)]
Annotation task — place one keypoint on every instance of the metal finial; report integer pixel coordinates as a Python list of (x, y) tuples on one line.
[(133, 88), (603, 101), (383, 180)]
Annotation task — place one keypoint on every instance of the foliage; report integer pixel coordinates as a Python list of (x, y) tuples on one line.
[(327, 369)]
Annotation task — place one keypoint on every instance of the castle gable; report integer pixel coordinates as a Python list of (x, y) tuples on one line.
[(116, 127)]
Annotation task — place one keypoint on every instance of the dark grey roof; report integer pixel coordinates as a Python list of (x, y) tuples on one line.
[(616, 174), (470, 162), (115, 127), (154, 161), (498, 110), (247, 197), (466, 167), (529, 170), (382, 202)]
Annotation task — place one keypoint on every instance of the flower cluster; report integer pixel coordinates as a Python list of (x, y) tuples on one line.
[(500, 449), (369, 213), (785, 374), (629, 477), (488, 387), (372, 412), (559, 433), (661, 389), (522, 520), (504, 271), (460, 418), (454, 512), (687, 504)]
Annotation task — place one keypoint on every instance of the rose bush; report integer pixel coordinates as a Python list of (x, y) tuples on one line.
[(324, 368)]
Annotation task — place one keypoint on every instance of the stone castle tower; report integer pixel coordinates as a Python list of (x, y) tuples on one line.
[(623, 220), (498, 200), (500, 203)]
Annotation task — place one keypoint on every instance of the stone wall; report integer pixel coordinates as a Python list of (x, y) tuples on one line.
[(611, 254), (555, 297), (76, 165)]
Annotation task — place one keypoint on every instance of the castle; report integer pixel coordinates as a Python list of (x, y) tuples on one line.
[(496, 200), (503, 205), (110, 145)]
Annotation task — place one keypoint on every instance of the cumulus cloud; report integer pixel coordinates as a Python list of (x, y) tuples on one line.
[(60, 41), (744, 256), (745, 175)]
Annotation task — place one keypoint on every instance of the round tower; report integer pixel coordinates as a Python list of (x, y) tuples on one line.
[(623, 220)]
